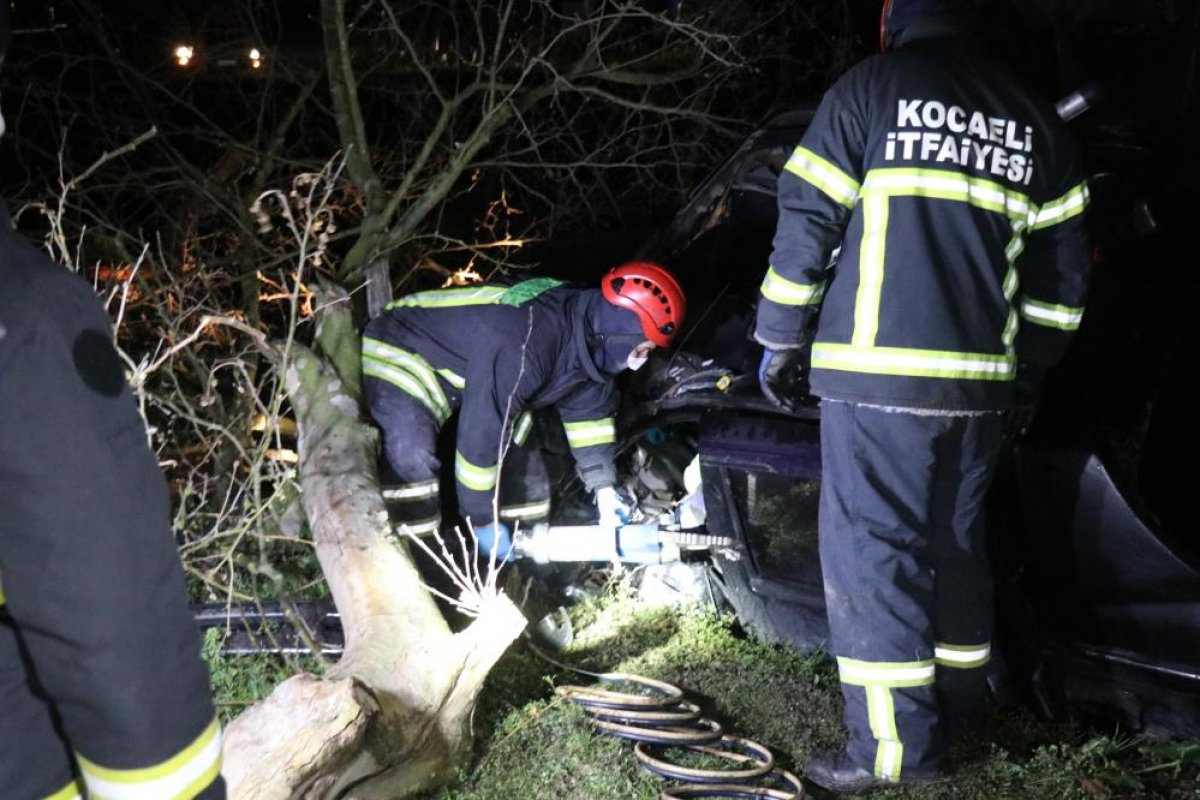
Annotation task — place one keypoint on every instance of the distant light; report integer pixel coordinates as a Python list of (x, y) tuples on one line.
[(184, 54), (256, 58)]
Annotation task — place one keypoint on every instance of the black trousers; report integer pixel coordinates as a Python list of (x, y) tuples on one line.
[(907, 580), (412, 478)]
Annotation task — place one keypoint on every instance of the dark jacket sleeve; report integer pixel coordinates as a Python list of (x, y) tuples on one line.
[(588, 417), (499, 379), (1054, 269), (818, 189)]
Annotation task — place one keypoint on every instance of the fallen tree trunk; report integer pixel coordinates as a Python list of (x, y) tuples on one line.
[(393, 716)]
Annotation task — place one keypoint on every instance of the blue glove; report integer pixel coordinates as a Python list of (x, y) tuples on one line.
[(495, 538), (613, 509)]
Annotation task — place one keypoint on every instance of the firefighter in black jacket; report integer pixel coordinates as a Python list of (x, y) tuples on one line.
[(102, 689), (957, 200), (494, 353)]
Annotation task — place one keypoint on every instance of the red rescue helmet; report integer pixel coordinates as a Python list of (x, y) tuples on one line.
[(649, 291)]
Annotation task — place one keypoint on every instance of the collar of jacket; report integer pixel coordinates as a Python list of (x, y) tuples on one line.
[(942, 26)]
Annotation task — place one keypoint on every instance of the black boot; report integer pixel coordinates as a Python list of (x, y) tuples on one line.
[(836, 772)]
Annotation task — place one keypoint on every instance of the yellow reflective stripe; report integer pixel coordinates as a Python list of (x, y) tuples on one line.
[(885, 673), (1016, 245), (407, 383), (445, 298), (452, 378), (1064, 208), (1052, 316), (1, 593), (913, 363), (472, 476), (414, 363), (422, 527), (870, 270), (590, 433), (948, 185), (69, 792), (881, 713), (527, 511), (779, 289), (522, 428), (823, 175), (962, 656), (183, 775), (411, 491)]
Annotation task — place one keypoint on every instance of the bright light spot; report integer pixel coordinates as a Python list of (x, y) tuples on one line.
[(256, 58), (184, 54)]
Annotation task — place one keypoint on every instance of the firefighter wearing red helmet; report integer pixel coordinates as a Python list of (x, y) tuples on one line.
[(956, 198), (494, 353)]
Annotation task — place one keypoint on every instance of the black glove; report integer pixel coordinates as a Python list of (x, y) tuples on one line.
[(781, 376), (1027, 389)]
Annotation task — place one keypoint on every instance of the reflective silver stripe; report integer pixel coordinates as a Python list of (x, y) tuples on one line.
[(445, 298), (870, 271), (885, 673), (414, 363), (452, 378), (1052, 316), (528, 511), (881, 713), (962, 656), (1016, 245), (69, 792), (183, 775), (407, 383), (823, 175), (481, 479), (418, 528), (1062, 209), (916, 363), (590, 433), (949, 185), (522, 428), (779, 289), (411, 491)]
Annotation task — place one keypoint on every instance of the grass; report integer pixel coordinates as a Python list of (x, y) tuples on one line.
[(532, 746)]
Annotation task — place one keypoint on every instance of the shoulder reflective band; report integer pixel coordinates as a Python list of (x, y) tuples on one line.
[(184, 775), (1052, 316), (949, 185), (407, 371), (962, 656), (896, 674), (779, 289), (806, 164), (446, 298), (481, 479), (590, 433), (913, 363), (1069, 205)]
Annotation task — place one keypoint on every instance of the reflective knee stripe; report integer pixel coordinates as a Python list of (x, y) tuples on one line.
[(881, 713), (1051, 315), (779, 289), (962, 656), (589, 433), (528, 511), (831, 180), (481, 479), (69, 792), (182, 776), (915, 363), (409, 372), (878, 678), (423, 527), (408, 492), (522, 428)]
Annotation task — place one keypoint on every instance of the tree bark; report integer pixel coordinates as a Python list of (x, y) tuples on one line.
[(393, 716)]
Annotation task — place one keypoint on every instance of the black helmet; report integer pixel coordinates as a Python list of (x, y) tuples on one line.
[(897, 15)]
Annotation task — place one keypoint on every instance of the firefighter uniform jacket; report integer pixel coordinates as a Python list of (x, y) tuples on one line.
[(496, 352), (957, 200), (102, 687)]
